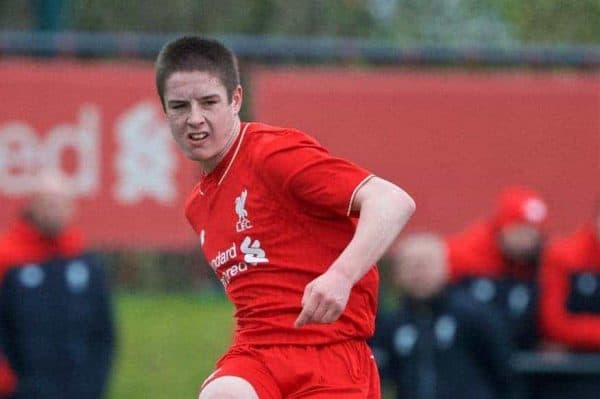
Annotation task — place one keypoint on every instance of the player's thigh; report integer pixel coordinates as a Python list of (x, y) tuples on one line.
[(240, 374), (228, 387)]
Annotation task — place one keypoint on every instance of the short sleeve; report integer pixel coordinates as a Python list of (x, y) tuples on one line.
[(299, 166)]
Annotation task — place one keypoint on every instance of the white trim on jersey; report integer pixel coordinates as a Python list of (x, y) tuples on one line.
[(362, 183), (234, 155)]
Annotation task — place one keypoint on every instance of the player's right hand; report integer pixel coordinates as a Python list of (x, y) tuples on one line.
[(324, 299)]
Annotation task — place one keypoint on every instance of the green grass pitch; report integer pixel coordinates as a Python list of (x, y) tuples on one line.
[(167, 343)]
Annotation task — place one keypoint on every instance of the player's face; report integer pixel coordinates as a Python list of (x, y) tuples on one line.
[(202, 120)]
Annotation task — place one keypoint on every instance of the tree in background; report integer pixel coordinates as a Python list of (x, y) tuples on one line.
[(553, 21), (442, 22), (406, 22)]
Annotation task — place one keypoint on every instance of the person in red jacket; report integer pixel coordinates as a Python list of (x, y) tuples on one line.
[(42, 231), (570, 312), (508, 244), (570, 298)]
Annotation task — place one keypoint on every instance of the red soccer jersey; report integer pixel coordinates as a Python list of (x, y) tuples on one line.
[(579, 253), (271, 217)]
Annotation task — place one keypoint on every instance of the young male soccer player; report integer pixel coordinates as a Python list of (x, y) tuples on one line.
[(291, 231)]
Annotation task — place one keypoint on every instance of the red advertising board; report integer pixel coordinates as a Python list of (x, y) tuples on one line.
[(102, 126), (452, 139)]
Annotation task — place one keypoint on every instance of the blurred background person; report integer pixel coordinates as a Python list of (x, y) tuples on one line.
[(497, 260), (44, 228), (570, 304), (570, 288), (56, 327), (441, 344)]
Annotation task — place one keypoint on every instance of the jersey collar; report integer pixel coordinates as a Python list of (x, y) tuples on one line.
[(218, 174)]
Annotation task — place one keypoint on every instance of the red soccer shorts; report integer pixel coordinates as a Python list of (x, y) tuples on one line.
[(342, 370)]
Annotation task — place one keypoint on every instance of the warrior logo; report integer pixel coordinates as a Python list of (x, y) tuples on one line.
[(243, 222)]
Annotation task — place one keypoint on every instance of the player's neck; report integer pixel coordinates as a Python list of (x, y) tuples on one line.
[(210, 165)]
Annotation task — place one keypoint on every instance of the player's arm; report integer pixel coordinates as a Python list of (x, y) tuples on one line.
[(384, 209)]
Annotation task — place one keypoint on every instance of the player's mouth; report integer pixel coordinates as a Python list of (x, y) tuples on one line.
[(197, 137)]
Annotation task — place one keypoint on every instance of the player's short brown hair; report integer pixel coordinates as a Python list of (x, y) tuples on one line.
[(193, 53)]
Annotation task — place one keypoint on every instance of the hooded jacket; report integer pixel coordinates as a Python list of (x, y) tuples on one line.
[(476, 252), (570, 300)]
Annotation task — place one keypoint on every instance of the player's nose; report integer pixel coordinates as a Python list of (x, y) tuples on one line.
[(195, 116)]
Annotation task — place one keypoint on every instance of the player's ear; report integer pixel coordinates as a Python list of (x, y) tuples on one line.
[(236, 99)]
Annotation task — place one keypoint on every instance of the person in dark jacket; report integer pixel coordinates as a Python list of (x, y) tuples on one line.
[(497, 260), (441, 344), (56, 328), (56, 323)]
